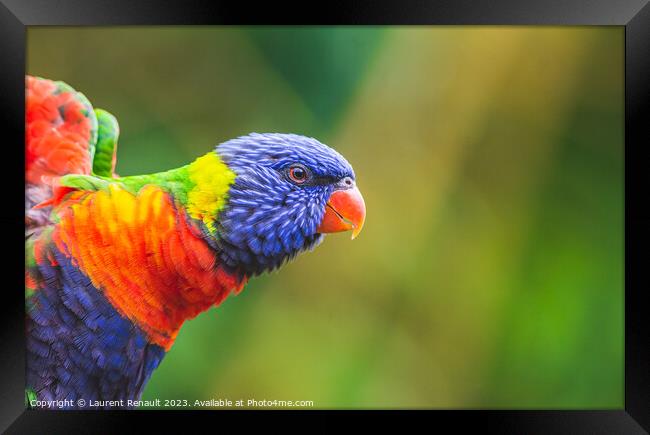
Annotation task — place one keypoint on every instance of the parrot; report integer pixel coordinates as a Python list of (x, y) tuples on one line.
[(114, 265)]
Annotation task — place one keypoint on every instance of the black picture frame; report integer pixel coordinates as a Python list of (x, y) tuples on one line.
[(634, 15)]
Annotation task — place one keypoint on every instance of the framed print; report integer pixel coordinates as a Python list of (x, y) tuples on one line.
[(371, 207)]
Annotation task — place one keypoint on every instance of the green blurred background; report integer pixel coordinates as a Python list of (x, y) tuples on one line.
[(490, 270)]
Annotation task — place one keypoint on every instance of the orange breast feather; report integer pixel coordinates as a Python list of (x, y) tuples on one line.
[(147, 258)]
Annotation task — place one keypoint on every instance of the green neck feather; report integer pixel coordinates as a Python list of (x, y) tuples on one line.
[(200, 187)]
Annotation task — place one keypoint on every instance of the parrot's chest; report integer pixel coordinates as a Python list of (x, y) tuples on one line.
[(79, 347)]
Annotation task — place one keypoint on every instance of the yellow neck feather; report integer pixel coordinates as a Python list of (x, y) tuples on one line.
[(211, 180)]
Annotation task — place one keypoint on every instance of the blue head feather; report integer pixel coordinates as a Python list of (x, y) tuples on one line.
[(269, 218)]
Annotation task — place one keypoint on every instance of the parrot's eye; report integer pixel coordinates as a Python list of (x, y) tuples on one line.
[(298, 174)]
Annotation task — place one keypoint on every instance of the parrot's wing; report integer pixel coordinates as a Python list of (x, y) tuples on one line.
[(64, 135), (61, 131), (106, 148)]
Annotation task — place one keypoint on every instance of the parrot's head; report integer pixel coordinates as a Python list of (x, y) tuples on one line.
[(289, 190)]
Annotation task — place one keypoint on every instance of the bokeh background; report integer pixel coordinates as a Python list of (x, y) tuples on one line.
[(490, 270)]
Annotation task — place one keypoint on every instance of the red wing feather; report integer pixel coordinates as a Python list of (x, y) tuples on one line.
[(60, 136)]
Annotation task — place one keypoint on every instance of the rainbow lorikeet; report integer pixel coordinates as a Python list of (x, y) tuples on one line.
[(116, 265)]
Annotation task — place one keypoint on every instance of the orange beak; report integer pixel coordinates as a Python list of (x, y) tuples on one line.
[(345, 210)]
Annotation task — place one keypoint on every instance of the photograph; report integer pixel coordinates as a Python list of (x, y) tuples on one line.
[(182, 185)]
